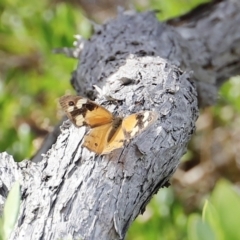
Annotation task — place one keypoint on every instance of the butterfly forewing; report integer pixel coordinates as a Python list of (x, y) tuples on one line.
[(81, 111)]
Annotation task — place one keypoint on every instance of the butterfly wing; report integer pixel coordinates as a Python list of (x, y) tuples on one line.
[(117, 141), (137, 123), (130, 127), (107, 133), (97, 138), (81, 111)]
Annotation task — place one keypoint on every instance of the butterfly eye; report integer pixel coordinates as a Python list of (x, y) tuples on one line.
[(71, 103)]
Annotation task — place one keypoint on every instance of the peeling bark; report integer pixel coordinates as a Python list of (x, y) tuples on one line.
[(139, 64)]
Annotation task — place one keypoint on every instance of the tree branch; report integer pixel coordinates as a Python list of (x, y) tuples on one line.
[(136, 61)]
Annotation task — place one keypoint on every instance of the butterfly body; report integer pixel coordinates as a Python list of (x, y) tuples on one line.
[(107, 132)]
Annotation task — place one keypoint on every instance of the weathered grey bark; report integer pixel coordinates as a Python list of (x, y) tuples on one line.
[(48, 142), (73, 192), (207, 44)]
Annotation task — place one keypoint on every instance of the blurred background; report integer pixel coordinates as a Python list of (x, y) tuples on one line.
[(203, 199)]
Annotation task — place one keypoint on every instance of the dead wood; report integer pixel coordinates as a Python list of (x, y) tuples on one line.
[(140, 64)]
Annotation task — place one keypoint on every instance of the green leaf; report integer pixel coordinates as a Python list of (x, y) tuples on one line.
[(199, 230), (1, 229), (211, 216), (227, 204), (11, 210)]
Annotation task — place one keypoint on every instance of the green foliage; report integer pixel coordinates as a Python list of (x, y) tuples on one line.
[(10, 212), (220, 218), (164, 218), (32, 78), (210, 216), (229, 95), (172, 8), (222, 214), (199, 230)]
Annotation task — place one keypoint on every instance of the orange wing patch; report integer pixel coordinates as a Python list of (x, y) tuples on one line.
[(130, 127), (96, 139), (107, 132)]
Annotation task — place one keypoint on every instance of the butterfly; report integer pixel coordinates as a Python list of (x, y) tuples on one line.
[(107, 132)]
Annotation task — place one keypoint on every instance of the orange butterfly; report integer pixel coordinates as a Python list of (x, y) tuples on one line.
[(107, 132)]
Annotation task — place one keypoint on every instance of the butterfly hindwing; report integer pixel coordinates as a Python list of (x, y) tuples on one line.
[(131, 126), (83, 112), (96, 139), (136, 123), (117, 141), (105, 138)]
